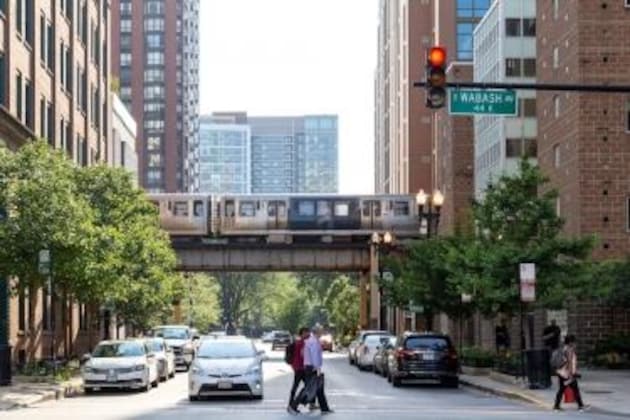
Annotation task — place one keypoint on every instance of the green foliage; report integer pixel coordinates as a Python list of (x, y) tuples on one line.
[(342, 302), (204, 292), (477, 357)]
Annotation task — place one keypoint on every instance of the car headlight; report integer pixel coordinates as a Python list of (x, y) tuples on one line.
[(88, 369), (253, 370), (196, 370), (138, 368)]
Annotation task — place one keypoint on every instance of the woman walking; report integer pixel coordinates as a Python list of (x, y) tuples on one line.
[(567, 373)]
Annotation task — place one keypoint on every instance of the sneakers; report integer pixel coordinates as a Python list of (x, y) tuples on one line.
[(584, 408), (313, 407), (293, 411), (325, 412)]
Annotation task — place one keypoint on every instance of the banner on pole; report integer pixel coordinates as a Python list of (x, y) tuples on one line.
[(528, 282)]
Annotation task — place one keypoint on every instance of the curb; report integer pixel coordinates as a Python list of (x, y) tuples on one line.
[(58, 392), (529, 399)]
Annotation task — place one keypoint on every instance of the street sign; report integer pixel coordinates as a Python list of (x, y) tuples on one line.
[(482, 102), (528, 282), (44, 262)]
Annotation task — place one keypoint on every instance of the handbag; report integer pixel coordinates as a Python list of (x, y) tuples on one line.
[(569, 396), (309, 391)]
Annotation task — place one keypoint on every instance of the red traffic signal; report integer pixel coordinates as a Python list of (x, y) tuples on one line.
[(436, 77)]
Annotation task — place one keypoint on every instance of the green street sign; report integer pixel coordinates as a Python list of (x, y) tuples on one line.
[(482, 102)]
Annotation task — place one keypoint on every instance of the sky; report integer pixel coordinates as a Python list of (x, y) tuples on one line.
[(295, 57)]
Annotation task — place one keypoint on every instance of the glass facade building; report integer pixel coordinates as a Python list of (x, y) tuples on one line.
[(469, 13), (316, 156), (224, 161)]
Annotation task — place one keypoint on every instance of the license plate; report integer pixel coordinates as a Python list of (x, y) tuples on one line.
[(224, 385), (428, 356), (112, 377)]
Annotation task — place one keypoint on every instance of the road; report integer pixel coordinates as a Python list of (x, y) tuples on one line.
[(352, 394)]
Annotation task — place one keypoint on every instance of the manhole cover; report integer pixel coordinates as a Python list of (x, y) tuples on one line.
[(598, 391)]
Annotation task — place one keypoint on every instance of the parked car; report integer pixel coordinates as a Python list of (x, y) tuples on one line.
[(352, 357), (268, 337), (327, 342), (128, 364), (367, 350), (424, 356), (226, 367), (383, 353), (281, 340), (181, 339), (164, 356)]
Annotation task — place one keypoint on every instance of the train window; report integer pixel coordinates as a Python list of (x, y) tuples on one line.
[(401, 208), (323, 208), (180, 208), (342, 209), (247, 209), (276, 208), (271, 209), (306, 208), (372, 207), (198, 208), (282, 208), (377, 209)]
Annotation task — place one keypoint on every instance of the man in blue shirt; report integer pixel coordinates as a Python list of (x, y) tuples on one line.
[(313, 360)]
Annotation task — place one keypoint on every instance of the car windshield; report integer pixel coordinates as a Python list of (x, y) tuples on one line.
[(221, 349), (172, 333), (427, 343), (118, 350), (156, 345)]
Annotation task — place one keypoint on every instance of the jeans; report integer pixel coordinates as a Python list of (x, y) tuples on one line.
[(576, 391), (298, 376)]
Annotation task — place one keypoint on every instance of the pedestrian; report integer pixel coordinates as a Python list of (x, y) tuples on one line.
[(313, 361), (502, 337), (297, 361), (551, 336), (567, 373)]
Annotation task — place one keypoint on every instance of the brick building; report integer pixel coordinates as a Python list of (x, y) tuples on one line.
[(584, 138), (54, 84)]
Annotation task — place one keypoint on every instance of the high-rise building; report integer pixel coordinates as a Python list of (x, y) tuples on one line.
[(294, 154), (505, 51), (155, 55), (124, 131), (54, 71), (224, 163)]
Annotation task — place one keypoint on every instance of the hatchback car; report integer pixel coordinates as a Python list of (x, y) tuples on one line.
[(226, 367), (164, 356), (352, 348), (424, 356), (120, 364), (281, 340), (383, 353)]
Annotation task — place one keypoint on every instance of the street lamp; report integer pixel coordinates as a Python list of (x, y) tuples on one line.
[(465, 298), (376, 294), (429, 211)]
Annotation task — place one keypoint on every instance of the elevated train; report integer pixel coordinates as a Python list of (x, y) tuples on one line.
[(286, 218)]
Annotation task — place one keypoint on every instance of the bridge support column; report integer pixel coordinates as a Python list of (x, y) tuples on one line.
[(363, 300), (375, 294)]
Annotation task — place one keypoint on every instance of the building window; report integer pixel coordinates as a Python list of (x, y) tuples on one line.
[(512, 27), (29, 107), (472, 8), (465, 40), (125, 25), (529, 27), (529, 67), (154, 7), (154, 40), (153, 92), (556, 155), (154, 143), (513, 67), (19, 16), (556, 58), (530, 148), (66, 8), (154, 24), (556, 8), (513, 148), (125, 7), (153, 75), (47, 41), (125, 41), (65, 66), (155, 160), (556, 106), (155, 58), (125, 59)]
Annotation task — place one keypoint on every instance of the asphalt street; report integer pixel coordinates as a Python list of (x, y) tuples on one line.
[(352, 394)]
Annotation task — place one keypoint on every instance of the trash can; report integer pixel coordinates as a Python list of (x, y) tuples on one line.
[(5, 365), (538, 368)]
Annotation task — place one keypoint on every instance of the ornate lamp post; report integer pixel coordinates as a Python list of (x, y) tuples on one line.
[(429, 211), (376, 242)]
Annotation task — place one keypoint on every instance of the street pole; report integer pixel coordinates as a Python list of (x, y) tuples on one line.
[(522, 343), (51, 291), (5, 348)]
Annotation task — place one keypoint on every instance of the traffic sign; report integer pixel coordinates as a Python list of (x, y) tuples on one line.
[(528, 282), (482, 102)]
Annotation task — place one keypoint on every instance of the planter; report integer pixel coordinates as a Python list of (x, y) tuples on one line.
[(476, 371)]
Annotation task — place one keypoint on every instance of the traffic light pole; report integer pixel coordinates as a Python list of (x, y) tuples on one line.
[(537, 86)]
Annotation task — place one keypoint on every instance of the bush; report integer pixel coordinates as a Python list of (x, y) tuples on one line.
[(477, 357), (509, 364), (619, 343)]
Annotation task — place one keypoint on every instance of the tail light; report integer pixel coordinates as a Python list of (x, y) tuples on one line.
[(452, 354), (402, 352)]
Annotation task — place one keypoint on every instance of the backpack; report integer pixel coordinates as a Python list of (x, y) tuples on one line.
[(558, 359), (289, 352)]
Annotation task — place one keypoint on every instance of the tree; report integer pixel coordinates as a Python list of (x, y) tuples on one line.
[(342, 302), (240, 295), (200, 300)]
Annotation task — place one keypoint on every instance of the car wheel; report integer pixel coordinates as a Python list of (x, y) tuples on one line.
[(258, 397), (450, 382), (389, 378), (88, 391), (350, 361), (156, 383), (396, 382), (192, 398), (172, 374)]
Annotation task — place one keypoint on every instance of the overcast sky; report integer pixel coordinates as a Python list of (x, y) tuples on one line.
[(294, 57)]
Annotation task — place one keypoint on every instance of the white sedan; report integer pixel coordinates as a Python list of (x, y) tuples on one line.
[(120, 364), (230, 367), (367, 350)]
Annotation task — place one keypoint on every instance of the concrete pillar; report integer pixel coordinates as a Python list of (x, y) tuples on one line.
[(363, 301), (375, 297)]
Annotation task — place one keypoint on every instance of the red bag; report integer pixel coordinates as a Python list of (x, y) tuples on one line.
[(569, 396)]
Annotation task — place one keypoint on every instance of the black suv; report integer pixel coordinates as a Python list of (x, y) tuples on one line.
[(281, 339), (424, 356)]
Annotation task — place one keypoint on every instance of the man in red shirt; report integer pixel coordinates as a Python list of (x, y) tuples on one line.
[(298, 362)]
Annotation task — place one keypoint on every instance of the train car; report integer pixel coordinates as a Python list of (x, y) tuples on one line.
[(184, 214), (390, 213), (252, 214), (324, 212)]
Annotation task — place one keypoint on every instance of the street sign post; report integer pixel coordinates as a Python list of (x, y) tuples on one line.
[(44, 262), (528, 282), (482, 102)]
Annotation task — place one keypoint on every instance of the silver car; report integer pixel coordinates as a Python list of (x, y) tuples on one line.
[(120, 364), (164, 356), (180, 339), (230, 367)]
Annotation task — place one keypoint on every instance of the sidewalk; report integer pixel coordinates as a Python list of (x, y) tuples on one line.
[(23, 393), (606, 391)]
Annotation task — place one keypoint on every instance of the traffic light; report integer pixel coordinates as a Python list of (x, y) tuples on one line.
[(436, 77)]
